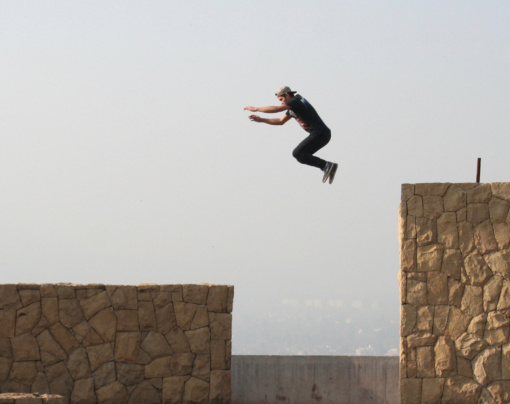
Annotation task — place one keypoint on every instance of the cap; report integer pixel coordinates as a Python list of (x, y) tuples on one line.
[(284, 90)]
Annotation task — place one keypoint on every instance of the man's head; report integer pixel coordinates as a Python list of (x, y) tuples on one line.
[(284, 94), (285, 90)]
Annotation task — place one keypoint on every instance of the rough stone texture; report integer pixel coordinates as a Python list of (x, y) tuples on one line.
[(128, 344), (455, 293)]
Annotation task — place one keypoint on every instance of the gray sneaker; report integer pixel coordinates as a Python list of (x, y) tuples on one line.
[(330, 168), (327, 171), (332, 173)]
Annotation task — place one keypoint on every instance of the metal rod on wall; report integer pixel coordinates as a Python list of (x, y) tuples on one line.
[(478, 169)]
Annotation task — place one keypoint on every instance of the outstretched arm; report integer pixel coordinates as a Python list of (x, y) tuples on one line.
[(269, 110), (271, 121)]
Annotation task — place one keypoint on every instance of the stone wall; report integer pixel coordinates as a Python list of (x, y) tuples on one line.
[(117, 344), (455, 293)]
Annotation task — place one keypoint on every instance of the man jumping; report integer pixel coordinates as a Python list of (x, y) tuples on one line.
[(319, 136)]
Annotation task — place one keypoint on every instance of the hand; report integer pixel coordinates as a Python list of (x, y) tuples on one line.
[(255, 118), (252, 109)]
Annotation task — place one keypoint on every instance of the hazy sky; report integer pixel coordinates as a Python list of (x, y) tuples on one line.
[(127, 158)]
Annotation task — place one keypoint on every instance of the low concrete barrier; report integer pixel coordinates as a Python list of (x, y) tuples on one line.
[(309, 379)]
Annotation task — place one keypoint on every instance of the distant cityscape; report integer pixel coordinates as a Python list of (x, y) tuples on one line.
[(318, 327)]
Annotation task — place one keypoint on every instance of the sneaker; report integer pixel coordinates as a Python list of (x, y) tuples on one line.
[(332, 173), (330, 167), (326, 171)]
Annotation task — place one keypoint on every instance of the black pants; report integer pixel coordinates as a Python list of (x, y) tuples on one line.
[(304, 152)]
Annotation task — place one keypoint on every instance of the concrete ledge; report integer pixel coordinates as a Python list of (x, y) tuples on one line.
[(31, 398), (309, 379)]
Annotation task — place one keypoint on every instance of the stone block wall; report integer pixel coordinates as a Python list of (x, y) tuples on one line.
[(117, 344), (455, 293)]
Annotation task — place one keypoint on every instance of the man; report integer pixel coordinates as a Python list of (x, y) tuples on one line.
[(319, 136)]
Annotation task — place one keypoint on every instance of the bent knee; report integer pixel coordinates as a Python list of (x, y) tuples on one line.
[(298, 156)]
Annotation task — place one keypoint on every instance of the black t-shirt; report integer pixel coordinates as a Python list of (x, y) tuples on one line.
[(305, 114)]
